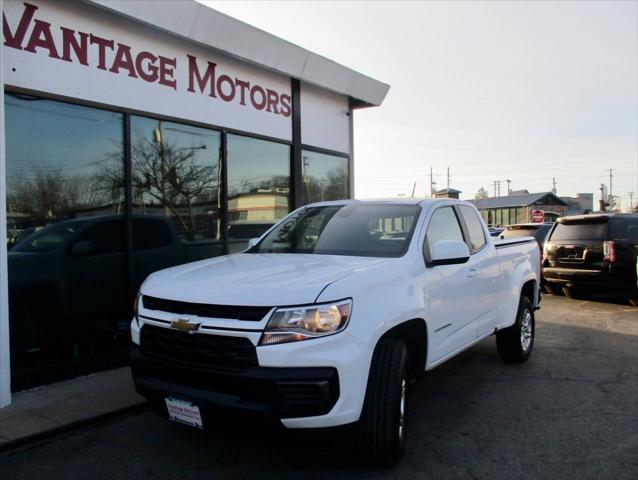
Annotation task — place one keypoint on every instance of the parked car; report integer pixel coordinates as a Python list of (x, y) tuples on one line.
[(69, 279), (593, 253), (324, 320), (537, 230)]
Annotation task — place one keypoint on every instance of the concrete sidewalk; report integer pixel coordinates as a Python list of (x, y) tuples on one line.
[(43, 411)]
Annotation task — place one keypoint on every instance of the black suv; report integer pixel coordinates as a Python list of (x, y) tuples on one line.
[(587, 253)]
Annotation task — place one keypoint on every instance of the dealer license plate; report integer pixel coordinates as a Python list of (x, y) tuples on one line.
[(183, 412)]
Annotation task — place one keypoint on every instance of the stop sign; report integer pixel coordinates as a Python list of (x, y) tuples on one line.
[(538, 216)]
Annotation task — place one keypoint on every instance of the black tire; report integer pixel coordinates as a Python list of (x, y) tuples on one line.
[(381, 429), (569, 292), (510, 342)]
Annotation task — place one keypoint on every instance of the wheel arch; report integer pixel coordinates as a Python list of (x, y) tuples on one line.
[(414, 333), (530, 290)]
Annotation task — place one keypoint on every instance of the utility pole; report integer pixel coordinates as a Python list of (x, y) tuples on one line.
[(448, 178), (432, 183), (631, 201), (508, 186), (554, 186), (413, 189), (611, 198), (495, 188), (498, 185)]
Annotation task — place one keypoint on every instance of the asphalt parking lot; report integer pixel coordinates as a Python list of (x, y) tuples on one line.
[(570, 412)]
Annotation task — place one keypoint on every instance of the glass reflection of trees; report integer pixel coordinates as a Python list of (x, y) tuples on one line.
[(325, 177), (54, 154), (176, 173)]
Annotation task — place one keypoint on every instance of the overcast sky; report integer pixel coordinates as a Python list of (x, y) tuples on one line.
[(499, 90)]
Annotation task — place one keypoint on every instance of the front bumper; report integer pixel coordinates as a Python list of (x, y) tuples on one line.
[(309, 384), (268, 393)]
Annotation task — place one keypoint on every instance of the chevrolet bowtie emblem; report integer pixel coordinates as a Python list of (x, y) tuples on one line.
[(185, 325)]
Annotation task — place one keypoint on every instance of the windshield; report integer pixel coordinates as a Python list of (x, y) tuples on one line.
[(49, 238), (366, 230), (580, 231)]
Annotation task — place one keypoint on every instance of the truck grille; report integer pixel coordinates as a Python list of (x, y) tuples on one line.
[(199, 350), (254, 314)]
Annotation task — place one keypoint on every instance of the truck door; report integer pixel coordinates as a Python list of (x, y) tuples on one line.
[(449, 298), (483, 273)]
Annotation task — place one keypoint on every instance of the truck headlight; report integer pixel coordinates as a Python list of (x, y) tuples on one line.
[(136, 308), (294, 324)]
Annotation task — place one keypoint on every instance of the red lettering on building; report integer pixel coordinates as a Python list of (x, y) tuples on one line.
[(118, 58), (123, 59), (81, 48)]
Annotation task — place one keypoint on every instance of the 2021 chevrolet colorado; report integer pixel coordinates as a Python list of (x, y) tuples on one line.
[(328, 315)]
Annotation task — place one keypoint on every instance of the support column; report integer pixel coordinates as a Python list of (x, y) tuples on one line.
[(296, 168), (5, 358)]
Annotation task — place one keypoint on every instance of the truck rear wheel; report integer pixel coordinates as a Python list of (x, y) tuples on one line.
[(381, 429), (515, 343)]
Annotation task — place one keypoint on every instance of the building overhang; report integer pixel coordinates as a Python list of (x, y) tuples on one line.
[(198, 23)]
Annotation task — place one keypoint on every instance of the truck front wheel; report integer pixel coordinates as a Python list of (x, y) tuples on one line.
[(515, 343), (381, 429)]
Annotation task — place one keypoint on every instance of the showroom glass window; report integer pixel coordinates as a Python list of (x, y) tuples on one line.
[(325, 177), (65, 181), (176, 182), (258, 187)]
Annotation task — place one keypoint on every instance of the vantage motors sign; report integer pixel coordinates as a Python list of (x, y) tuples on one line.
[(76, 50)]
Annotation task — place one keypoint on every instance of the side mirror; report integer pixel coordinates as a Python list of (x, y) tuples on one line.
[(449, 252), (83, 247), (252, 242)]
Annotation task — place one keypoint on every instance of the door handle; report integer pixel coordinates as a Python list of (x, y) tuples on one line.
[(473, 272)]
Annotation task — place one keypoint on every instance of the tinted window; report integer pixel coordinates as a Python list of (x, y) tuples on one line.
[(443, 226), (150, 233), (624, 228), (474, 227), (580, 231), (176, 174), (362, 230), (64, 162), (325, 177), (107, 236)]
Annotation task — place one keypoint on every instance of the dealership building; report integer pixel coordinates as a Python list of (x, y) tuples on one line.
[(137, 136)]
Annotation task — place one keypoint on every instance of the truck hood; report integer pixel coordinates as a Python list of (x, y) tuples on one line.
[(271, 279)]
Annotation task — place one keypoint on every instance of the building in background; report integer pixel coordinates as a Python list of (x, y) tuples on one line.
[(581, 203), (136, 136), (517, 207), (448, 193)]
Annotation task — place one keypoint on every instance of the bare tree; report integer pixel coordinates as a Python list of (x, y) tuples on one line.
[(482, 193), (168, 174)]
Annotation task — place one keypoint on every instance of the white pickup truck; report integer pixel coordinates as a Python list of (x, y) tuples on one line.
[(327, 317)]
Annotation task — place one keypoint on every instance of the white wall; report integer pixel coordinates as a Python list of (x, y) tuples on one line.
[(5, 377), (324, 119)]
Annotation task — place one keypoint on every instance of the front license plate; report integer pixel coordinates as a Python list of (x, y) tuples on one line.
[(183, 412)]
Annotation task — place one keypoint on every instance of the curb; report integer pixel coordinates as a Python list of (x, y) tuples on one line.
[(39, 437)]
